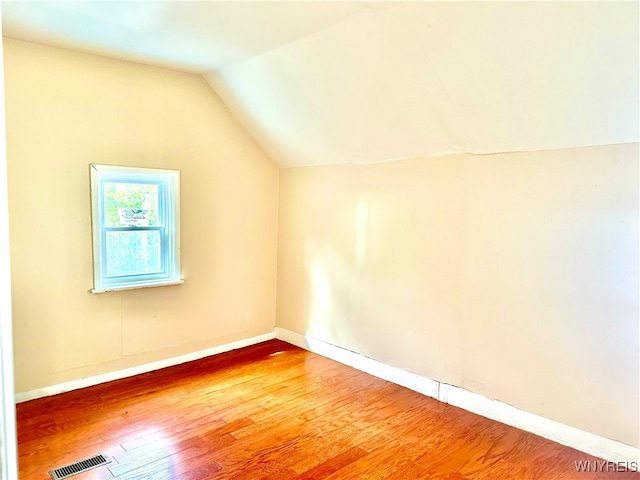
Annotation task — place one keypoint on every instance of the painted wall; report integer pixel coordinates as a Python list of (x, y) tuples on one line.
[(66, 110), (514, 276), (420, 78)]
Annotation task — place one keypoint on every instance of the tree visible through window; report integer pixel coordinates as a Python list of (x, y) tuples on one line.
[(135, 227)]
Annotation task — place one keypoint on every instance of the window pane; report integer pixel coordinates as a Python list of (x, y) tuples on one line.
[(135, 252), (130, 204)]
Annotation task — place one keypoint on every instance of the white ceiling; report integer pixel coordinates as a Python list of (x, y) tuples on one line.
[(360, 82), (195, 36)]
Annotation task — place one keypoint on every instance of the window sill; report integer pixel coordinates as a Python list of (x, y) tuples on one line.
[(135, 287)]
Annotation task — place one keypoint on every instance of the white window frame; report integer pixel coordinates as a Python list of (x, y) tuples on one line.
[(168, 182)]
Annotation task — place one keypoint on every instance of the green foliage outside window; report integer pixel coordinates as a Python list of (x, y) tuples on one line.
[(119, 196)]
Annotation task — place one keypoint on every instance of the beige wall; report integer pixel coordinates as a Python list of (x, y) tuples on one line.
[(514, 276), (66, 110)]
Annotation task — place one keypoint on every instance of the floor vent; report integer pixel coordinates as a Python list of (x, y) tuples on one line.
[(79, 467)]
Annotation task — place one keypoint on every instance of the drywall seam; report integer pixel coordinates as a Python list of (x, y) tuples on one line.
[(586, 442), (277, 251), (450, 153), (130, 372)]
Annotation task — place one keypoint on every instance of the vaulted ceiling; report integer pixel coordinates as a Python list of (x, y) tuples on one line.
[(361, 82)]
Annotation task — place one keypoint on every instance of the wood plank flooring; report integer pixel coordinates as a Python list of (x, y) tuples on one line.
[(273, 411)]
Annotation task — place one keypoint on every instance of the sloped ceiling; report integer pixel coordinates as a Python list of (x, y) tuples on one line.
[(199, 37), (356, 82)]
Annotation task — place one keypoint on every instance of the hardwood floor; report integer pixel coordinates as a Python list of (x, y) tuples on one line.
[(273, 411)]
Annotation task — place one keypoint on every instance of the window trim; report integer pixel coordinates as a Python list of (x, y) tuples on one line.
[(168, 202)]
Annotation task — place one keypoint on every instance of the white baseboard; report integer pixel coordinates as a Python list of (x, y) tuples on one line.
[(423, 385), (587, 442), (129, 372)]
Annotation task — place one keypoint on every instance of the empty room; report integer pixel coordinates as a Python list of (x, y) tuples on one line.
[(320, 240)]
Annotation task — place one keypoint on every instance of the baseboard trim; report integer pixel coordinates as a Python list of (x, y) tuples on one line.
[(601, 447), (130, 372)]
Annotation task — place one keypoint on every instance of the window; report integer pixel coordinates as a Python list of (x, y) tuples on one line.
[(136, 227)]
